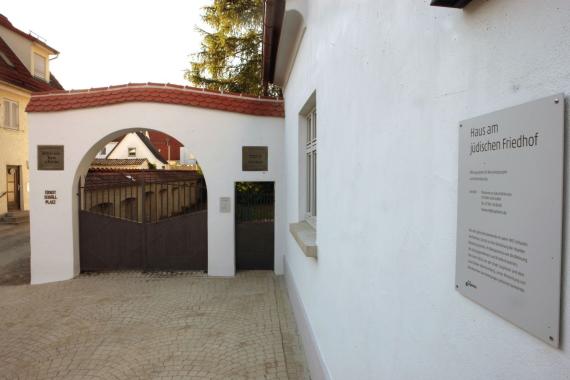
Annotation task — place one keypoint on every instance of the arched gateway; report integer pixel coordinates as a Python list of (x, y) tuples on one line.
[(68, 128)]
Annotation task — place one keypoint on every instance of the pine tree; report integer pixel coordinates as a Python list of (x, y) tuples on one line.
[(231, 51)]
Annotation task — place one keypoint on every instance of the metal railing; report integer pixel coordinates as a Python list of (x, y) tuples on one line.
[(255, 202), (143, 197)]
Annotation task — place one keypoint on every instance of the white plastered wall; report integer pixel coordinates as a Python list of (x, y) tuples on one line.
[(392, 80), (215, 138)]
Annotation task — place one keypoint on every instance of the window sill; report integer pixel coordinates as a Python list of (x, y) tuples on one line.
[(306, 237), (12, 129)]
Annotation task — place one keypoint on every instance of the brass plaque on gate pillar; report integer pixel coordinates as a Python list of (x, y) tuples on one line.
[(254, 158), (50, 157)]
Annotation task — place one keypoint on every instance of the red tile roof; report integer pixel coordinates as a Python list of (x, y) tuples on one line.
[(155, 93), (8, 25), (162, 142), (15, 73), (118, 161)]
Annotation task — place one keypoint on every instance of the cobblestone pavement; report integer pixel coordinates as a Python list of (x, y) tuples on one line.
[(14, 254), (150, 326)]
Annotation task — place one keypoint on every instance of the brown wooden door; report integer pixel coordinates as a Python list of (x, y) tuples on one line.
[(13, 190)]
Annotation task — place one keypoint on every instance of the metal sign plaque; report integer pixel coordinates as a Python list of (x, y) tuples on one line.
[(509, 214), (225, 205), (254, 158), (50, 157)]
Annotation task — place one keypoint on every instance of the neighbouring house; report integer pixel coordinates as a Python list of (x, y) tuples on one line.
[(24, 70), (103, 153), (177, 155), (134, 145), (119, 164), (167, 146)]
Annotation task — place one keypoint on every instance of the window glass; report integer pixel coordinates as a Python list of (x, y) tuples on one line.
[(15, 115), (11, 114), (311, 165), (132, 152), (39, 66)]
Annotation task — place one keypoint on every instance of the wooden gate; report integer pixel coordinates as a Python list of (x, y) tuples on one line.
[(255, 231), (143, 220)]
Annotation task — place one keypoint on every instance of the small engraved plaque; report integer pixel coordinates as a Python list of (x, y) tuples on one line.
[(225, 205), (254, 158), (50, 157)]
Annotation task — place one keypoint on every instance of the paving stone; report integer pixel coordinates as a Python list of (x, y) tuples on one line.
[(150, 326)]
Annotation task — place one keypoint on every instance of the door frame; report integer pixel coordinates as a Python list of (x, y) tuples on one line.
[(255, 230), (17, 190)]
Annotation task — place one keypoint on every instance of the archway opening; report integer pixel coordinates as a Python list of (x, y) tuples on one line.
[(142, 205)]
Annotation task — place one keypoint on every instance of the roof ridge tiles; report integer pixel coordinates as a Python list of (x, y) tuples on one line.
[(165, 86), (51, 101)]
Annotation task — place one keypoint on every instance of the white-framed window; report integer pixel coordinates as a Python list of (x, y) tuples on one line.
[(40, 66), (311, 166), (11, 111), (132, 152)]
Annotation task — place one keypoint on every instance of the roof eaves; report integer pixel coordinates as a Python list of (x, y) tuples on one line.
[(272, 22), (116, 145), (8, 25), (18, 75), (151, 147)]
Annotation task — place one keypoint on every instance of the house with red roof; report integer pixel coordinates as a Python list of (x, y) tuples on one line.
[(167, 146), (133, 150), (24, 70)]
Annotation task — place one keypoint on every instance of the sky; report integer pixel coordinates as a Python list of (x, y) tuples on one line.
[(107, 42)]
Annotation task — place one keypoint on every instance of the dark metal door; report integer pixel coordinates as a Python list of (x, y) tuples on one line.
[(179, 243), (255, 230), (143, 221), (13, 187), (108, 243)]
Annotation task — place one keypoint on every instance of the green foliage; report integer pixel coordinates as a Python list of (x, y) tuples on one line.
[(151, 166), (231, 51), (254, 187)]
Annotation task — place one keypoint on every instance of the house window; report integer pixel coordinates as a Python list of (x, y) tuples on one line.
[(311, 165), (132, 152), (39, 66), (103, 151), (5, 59), (11, 114), (305, 231)]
